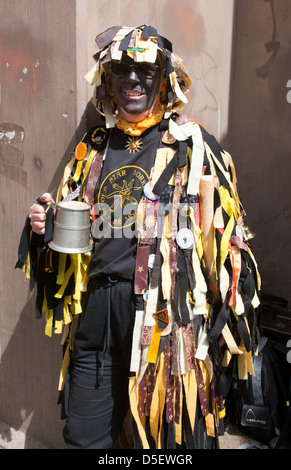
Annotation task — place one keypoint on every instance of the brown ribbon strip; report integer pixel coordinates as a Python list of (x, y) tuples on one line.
[(177, 402), (142, 396), (141, 270), (143, 248), (170, 382), (151, 386), (201, 390), (93, 176), (173, 263), (147, 335), (149, 221)]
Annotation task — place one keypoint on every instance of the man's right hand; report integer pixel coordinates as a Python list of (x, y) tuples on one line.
[(37, 214)]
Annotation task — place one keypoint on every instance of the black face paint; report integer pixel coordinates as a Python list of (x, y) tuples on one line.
[(135, 87)]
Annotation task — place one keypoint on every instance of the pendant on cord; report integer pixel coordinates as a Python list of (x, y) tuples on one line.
[(133, 144)]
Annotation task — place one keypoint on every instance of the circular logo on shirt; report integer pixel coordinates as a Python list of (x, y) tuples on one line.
[(119, 195)]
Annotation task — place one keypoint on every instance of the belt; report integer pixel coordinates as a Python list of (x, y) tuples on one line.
[(108, 279)]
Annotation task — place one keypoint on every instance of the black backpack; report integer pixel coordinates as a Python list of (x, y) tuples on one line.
[(261, 404)]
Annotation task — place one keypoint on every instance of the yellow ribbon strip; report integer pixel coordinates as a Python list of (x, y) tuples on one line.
[(49, 322), (209, 421), (158, 403), (231, 344), (245, 363), (154, 346), (225, 239), (134, 406), (178, 424), (67, 314), (61, 268), (58, 327), (78, 171), (65, 365), (88, 164), (67, 275), (190, 387), (76, 261)]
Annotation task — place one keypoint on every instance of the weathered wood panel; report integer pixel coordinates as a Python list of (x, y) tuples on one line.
[(259, 132), (37, 123)]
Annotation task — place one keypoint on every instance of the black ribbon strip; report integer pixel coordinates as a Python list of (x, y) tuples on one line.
[(244, 334), (49, 225), (124, 44), (190, 272), (148, 31), (178, 161), (168, 70), (166, 175), (46, 282), (227, 378), (104, 39), (156, 272), (221, 319), (24, 243), (165, 43), (169, 92), (214, 333), (182, 153), (30, 242)]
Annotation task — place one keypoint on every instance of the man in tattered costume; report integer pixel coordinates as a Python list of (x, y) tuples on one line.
[(161, 314)]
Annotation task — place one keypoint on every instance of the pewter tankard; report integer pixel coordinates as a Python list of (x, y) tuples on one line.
[(71, 228)]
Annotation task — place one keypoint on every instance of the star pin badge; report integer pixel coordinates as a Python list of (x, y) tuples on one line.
[(133, 145)]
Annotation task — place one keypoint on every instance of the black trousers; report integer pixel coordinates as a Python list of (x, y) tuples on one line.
[(99, 369)]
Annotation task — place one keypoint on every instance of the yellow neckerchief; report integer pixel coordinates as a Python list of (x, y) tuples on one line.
[(137, 128)]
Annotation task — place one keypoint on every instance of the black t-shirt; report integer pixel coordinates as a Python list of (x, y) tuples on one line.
[(118, 192)]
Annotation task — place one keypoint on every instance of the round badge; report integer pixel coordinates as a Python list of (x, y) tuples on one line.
[(149, 192), (81, 151), (97, 137), (185, 238)]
